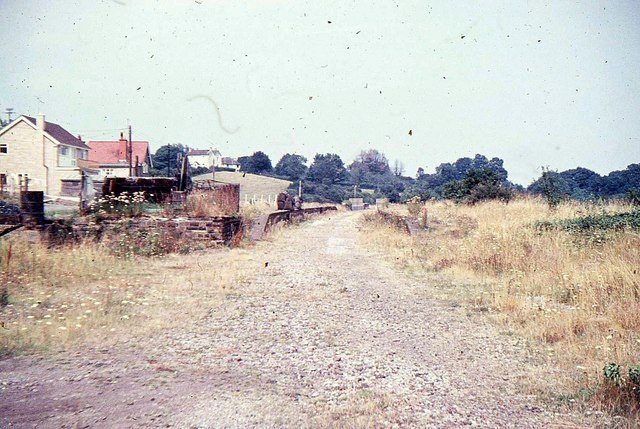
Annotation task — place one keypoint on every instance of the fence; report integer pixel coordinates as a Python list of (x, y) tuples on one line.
[(269, 199)]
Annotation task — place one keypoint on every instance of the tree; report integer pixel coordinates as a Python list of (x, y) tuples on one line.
[(165, 160), (398, 168), (617, 183), (327, 169), (258, 163), (245, 163), (432, 185), (371, 161), (551, 186), (292, 167), (478, 185)]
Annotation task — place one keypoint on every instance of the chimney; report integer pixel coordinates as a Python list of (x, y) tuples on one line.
[(123, 152), (40, 122)]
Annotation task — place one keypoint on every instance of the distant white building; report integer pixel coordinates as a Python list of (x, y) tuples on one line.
[(206, 158), (228, 162)]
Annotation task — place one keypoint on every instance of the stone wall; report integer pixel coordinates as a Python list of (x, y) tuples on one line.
[(290, 215), (210, 232), (407, 223)]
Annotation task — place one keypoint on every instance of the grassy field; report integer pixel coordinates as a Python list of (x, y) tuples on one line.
[(59, 297), (574, 293), (250, 184)]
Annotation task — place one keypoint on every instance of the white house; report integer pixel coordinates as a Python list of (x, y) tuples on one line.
[(206, 158)]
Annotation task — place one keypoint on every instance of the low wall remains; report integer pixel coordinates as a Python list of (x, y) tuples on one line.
[(407, 223), (215, 231), (290, 215), (266, 222)]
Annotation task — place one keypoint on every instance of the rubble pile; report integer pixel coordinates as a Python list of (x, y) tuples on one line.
[(9, 209)]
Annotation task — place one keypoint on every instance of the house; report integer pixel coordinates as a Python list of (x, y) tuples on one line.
[(206, 158), (111, 158), (42, 156), (227, 162)]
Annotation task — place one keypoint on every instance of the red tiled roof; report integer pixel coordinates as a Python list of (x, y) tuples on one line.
[(195, 152), (114, 152), (60, 134)]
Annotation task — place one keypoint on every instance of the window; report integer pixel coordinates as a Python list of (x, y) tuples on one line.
[(82, 154), (4, 148), (64, 150)]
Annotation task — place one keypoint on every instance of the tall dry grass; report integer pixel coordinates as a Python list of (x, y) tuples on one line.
[(577, 294), (61, 297)]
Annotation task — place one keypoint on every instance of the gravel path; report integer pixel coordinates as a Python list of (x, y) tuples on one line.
[(326, 335)]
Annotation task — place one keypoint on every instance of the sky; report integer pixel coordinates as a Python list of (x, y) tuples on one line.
[(535, 83)]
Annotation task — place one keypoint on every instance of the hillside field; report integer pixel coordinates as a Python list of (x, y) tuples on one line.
[(250, 184)]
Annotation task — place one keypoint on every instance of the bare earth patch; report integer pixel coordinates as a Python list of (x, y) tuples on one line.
[(321, 334)]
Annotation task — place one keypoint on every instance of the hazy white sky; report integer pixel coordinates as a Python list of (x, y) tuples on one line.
[(536, 83)]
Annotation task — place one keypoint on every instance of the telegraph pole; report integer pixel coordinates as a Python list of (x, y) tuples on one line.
[(130, 152), (169, 159)]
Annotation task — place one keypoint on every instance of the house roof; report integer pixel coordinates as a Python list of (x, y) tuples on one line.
[(60, 134), (229, 161), (108, 152), (196, 152), (200, 152)]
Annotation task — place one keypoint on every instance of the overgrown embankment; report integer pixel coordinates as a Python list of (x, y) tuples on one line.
[(567, 278)]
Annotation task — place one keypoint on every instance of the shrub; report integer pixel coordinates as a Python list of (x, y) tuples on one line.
[(594, 223)]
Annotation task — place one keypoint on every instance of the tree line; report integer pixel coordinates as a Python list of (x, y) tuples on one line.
[(370, 175)]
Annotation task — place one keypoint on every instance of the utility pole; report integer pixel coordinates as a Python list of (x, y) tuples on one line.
[(130, 152), (169, 159)]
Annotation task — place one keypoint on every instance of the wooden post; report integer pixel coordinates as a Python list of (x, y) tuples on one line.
[(83, 180)]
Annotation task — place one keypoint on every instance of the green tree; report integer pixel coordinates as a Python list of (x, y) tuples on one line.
[(165, 160), (478, 185), (245, 164), (260, 163), (292, 167), (373, 161), (328, 169), (552, 186)]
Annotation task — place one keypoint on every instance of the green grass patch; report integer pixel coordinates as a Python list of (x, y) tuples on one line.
[(591, 223)]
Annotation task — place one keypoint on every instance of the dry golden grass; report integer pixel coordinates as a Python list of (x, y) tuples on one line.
[(203, 204), (250, 184), (578, 295), (61, 297)]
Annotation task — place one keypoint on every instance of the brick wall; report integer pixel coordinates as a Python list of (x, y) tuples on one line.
[(209, 232)]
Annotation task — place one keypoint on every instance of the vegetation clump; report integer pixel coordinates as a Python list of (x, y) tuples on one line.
[(595, 222)]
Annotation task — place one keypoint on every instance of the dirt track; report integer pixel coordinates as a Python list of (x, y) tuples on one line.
[(326, 335)]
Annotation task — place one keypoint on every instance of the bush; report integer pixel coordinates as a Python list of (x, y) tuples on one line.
[(601, 222), (633, 196), (478, 185)]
